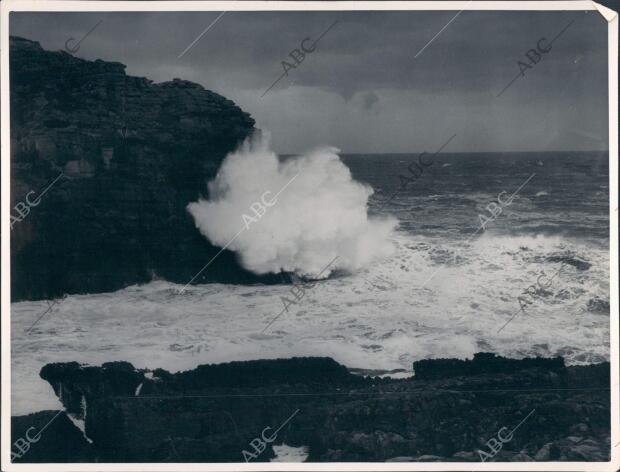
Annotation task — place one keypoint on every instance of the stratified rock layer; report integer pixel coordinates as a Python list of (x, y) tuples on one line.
[(131, 154), (214, 412)]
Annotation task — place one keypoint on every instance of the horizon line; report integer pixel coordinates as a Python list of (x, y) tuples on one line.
[(452, 152)]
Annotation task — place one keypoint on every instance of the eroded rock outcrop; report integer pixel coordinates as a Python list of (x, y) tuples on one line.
[(129, 155), (212, 413), (482, 363)]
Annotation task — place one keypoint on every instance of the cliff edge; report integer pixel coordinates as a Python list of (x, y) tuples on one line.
[(120, 157)]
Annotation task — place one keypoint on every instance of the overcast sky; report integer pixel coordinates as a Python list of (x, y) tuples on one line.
[(363, 89)]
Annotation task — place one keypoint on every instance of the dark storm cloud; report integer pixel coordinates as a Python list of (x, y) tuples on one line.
[(561, 103)]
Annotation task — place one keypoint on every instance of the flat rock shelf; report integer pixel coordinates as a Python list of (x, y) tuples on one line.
[(449, 411)]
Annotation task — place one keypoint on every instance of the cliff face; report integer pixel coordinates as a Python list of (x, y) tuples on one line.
[(129, 155), (212, 413)]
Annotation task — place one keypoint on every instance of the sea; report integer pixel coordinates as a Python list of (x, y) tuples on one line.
[(505, 253)]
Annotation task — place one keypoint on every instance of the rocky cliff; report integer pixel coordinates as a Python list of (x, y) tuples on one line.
[(214, 412), (128, 155)]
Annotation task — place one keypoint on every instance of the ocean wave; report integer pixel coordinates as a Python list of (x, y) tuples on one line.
[(305, 214)]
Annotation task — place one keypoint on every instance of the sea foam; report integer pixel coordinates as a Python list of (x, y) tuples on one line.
[(304, 214)]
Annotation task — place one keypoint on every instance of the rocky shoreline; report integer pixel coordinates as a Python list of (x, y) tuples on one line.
[(489, 408), (121, 157)]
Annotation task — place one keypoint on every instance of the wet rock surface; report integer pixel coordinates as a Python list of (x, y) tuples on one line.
[(214, 412)]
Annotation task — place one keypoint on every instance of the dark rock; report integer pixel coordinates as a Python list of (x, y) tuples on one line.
[(78, 385), (214, 412), (576, 262), (56, 439), (130, 154), (465, 456), (521, 457), (598, 305), (580, 428), (429, 458), (263, 373), (400, 459), (482, 363), (544, 453), (593, 451)]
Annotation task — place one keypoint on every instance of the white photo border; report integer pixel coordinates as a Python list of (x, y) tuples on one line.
[(8, 6)]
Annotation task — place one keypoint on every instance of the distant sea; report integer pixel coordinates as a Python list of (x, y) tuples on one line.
[(568, 195), (448, 290)]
